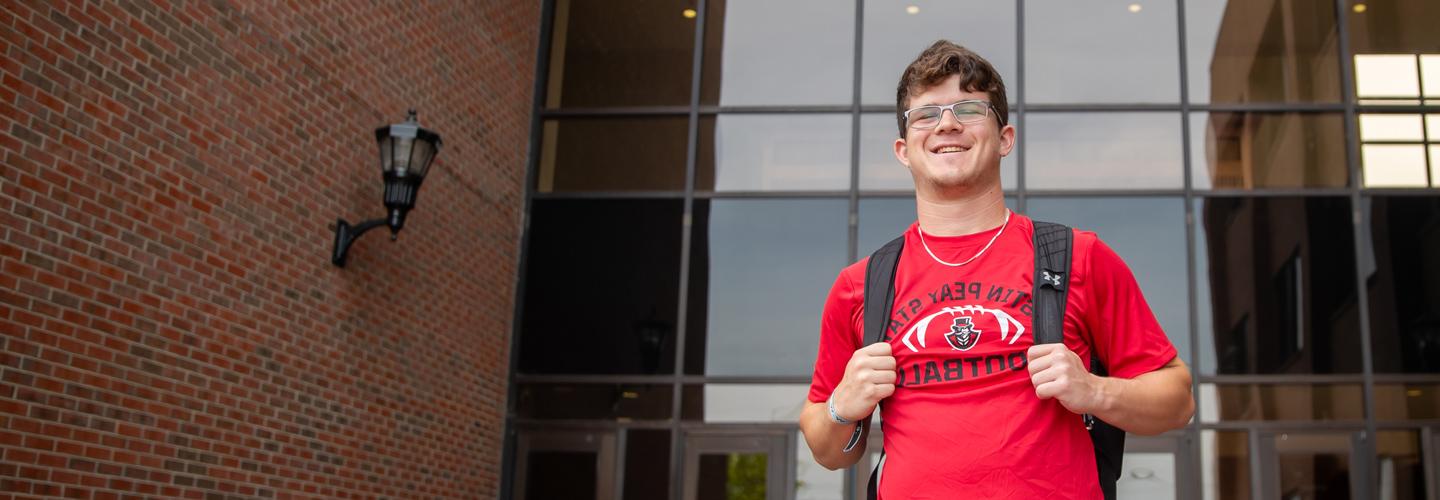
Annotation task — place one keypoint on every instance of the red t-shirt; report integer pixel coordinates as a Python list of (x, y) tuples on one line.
[(964, 421)]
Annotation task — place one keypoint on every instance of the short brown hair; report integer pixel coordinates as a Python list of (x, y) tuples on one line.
[(945, 58)]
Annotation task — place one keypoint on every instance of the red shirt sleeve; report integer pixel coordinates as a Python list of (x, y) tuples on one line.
[(1123, 330), (838, 338)]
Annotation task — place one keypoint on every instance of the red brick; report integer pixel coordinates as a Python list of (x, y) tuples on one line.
[(171, 175)]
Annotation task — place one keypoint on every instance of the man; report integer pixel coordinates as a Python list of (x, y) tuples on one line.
[(973, 409)]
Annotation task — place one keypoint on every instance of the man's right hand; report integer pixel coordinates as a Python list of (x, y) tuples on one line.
[(869, 378)]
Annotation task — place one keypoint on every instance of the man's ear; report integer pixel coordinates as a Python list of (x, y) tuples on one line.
[(1007, 140), (900, 150)]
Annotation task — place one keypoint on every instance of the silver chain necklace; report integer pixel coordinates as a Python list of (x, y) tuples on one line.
[(976, 256)]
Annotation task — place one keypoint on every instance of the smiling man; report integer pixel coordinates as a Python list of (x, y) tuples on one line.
[(973, 407)]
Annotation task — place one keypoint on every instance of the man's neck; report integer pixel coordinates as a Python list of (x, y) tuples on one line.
[(956, 216)]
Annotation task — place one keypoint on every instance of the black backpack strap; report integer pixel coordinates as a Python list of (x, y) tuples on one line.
[(879, 299), (1052, 276), (1053, 251)]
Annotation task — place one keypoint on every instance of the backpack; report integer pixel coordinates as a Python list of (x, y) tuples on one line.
[(1053, 244)]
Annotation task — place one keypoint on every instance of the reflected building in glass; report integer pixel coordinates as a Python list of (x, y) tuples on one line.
[(701, 171)]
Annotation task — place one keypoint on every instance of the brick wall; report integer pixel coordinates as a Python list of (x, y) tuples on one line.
[(172, 325)]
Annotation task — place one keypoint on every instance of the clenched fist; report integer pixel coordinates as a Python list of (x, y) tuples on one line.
[(1058, 373), (869, 378)]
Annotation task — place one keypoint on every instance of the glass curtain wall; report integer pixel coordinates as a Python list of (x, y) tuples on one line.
[(703, 169)]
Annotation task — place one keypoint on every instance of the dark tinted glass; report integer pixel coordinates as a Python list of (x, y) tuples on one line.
[(1402, 473), (1291, 402), (1403, 280), (601, 287), (762, 52), (632, 53), (594, 401), (1149, 234), (560, 474), (1262, 51), (759, 273), (1228, 454), (1276, 286), (1267, 150), (1312, 466), (1411, 401), (647, 451), (613, 154)]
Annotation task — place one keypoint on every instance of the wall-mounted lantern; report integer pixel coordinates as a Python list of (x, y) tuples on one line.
[(406, 151)]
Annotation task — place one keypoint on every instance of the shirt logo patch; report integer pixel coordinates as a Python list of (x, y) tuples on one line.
[(963, 334)]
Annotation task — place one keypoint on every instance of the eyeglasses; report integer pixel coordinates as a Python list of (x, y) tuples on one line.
[(967, 112)]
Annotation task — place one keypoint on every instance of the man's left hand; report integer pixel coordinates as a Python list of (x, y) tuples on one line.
[(1058, 373)]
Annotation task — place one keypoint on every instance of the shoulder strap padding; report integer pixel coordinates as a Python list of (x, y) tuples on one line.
[(880, 289)]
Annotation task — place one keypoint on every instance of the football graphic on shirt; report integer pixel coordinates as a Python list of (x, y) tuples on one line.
[(963, 333)]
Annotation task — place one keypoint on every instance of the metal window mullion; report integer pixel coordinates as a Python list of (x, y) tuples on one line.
[(508, 431), (849, 492), (1190, 481), (692, 138), (1424, 124), (1020, 146), (1347, 82)]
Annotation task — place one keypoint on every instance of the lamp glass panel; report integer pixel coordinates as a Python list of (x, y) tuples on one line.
[(421, 155), (400, 155), (386, 146)]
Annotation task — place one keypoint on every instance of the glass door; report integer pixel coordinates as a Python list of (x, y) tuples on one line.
[(565, 464), (738, 466)]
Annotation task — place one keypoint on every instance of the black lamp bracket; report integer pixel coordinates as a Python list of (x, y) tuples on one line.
[(345, 234)]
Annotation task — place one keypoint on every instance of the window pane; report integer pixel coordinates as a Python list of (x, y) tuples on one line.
[(1267, 402), (1312, 466), (1394, 166), (1225, 464), (600, 154), (1402, 465), (895, 33), (813, 482), (1103, 151), (774, 153), (647, 451), (1391, 41), (732, 476), (1267, 150), (1387, 77), (1149, 234), (595, 401), (1408, 401), (561, 474), (738, 403), (1403, 275), (744, 64), (759, 273), (1276, 285), (568, 329), (880, 171), (635, 53), (1389, 127), (1262, 51), (1111, 52)]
